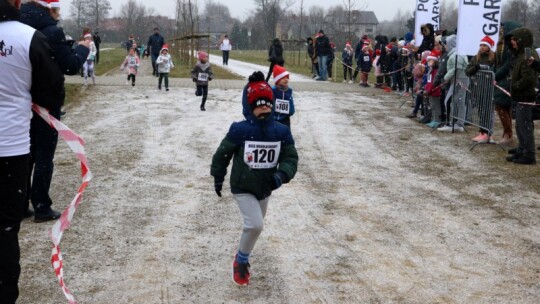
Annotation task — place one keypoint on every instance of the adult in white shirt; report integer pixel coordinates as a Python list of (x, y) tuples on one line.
[(226, 47)]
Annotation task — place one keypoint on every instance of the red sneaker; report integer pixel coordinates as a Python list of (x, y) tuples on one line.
[(240, 273)]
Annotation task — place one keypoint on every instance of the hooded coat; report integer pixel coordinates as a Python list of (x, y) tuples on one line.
[(244, 179), (504, 59), (428, 41), (524, 77)]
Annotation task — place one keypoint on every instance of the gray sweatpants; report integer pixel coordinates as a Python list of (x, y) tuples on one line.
[(253, 212)]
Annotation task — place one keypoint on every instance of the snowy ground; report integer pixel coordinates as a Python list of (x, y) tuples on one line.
[(381, 210)]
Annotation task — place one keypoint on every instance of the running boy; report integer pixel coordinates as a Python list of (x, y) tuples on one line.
[(164, 65), (131, 64), (201, 74), (283, 94), (264, 158)]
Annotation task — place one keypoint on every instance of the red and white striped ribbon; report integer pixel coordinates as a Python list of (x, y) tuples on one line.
[(76, 143)]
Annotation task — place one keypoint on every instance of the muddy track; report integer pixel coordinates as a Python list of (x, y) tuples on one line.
[(381, 210)]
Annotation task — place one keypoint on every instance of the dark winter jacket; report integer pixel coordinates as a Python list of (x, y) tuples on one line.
[(365, 62), (479, 62), (155, 43), (275, 53), (504, 59), (347, 57), (47, 79), (442, 70), (322, 46), (524, 77), (70, 61), (428, 41), (244, 179), (202, 68), (281, 114)]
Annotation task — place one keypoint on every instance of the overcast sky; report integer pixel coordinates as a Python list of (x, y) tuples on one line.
[(384, 10)]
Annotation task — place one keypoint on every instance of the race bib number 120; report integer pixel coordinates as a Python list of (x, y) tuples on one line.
[(261, 154)]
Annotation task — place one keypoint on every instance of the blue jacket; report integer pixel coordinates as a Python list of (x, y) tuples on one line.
[(285, 95), (244, 179), (70, 61), (347, 57)]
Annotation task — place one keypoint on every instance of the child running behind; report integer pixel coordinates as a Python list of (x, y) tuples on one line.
[(283, 94), (201, 74), (164, 65), (264, 157), (131, 64)]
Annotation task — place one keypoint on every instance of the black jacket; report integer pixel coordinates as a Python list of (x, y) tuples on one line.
[(155, 43), (275, 53), (70, 61), (322, 46)]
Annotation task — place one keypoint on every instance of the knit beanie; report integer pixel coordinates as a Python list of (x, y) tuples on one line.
[(259, 93), (202, 55)]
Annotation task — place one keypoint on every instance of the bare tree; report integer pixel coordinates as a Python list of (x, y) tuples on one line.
[(516, 10), (137, 18), (270, 13), (449, 13), (98, 11), (79, 13), (349, 5)]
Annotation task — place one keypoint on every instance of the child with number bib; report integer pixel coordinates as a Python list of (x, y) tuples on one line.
[(283, 94), (88, 66), (131, 64), (164, 65), (264, 157), (201, 74)]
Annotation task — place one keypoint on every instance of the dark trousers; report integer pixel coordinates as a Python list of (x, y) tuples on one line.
[(225, 57), (132, 78), (202, 90), (270, 70), (154, 66), (97, 55), (13, 181), (43, 140), (161, 77), (525, 129), (347, 70)]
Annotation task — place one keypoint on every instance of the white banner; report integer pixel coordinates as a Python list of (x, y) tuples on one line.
[(427, 11), (477, 19)]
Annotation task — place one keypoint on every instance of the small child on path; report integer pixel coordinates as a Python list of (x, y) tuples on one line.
[(88, 66), (264, 157), (164, 65), (201, 74), (131, 64), (283, 94)]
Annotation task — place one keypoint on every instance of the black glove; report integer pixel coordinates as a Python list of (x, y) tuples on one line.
[(194, 79), (256, 76), (277, 180), (218, 184)]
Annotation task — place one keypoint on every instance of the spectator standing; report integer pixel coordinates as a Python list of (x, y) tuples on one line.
[(323, 50), (275, 56), (155, 44), (43, 138), (28, 74), (97, 43), (522, 89), (313, 57), (347, 57), (225, 48), (130, 42)]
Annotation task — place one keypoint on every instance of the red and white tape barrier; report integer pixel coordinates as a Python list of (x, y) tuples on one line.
[(76, 143)]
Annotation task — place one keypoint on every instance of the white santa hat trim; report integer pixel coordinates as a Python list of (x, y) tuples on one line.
[(486, 44), (278, 77), (87, 36), (432, 58), (55, 4), (44, 3)]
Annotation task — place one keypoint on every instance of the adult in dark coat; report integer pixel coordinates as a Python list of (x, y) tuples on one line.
[(275, 56), (28, 74), (155, 44), (428, 41), (43, 137), (323, 50), (97, 42)]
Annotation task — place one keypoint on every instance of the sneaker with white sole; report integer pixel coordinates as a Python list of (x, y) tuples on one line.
[(241, 273)]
